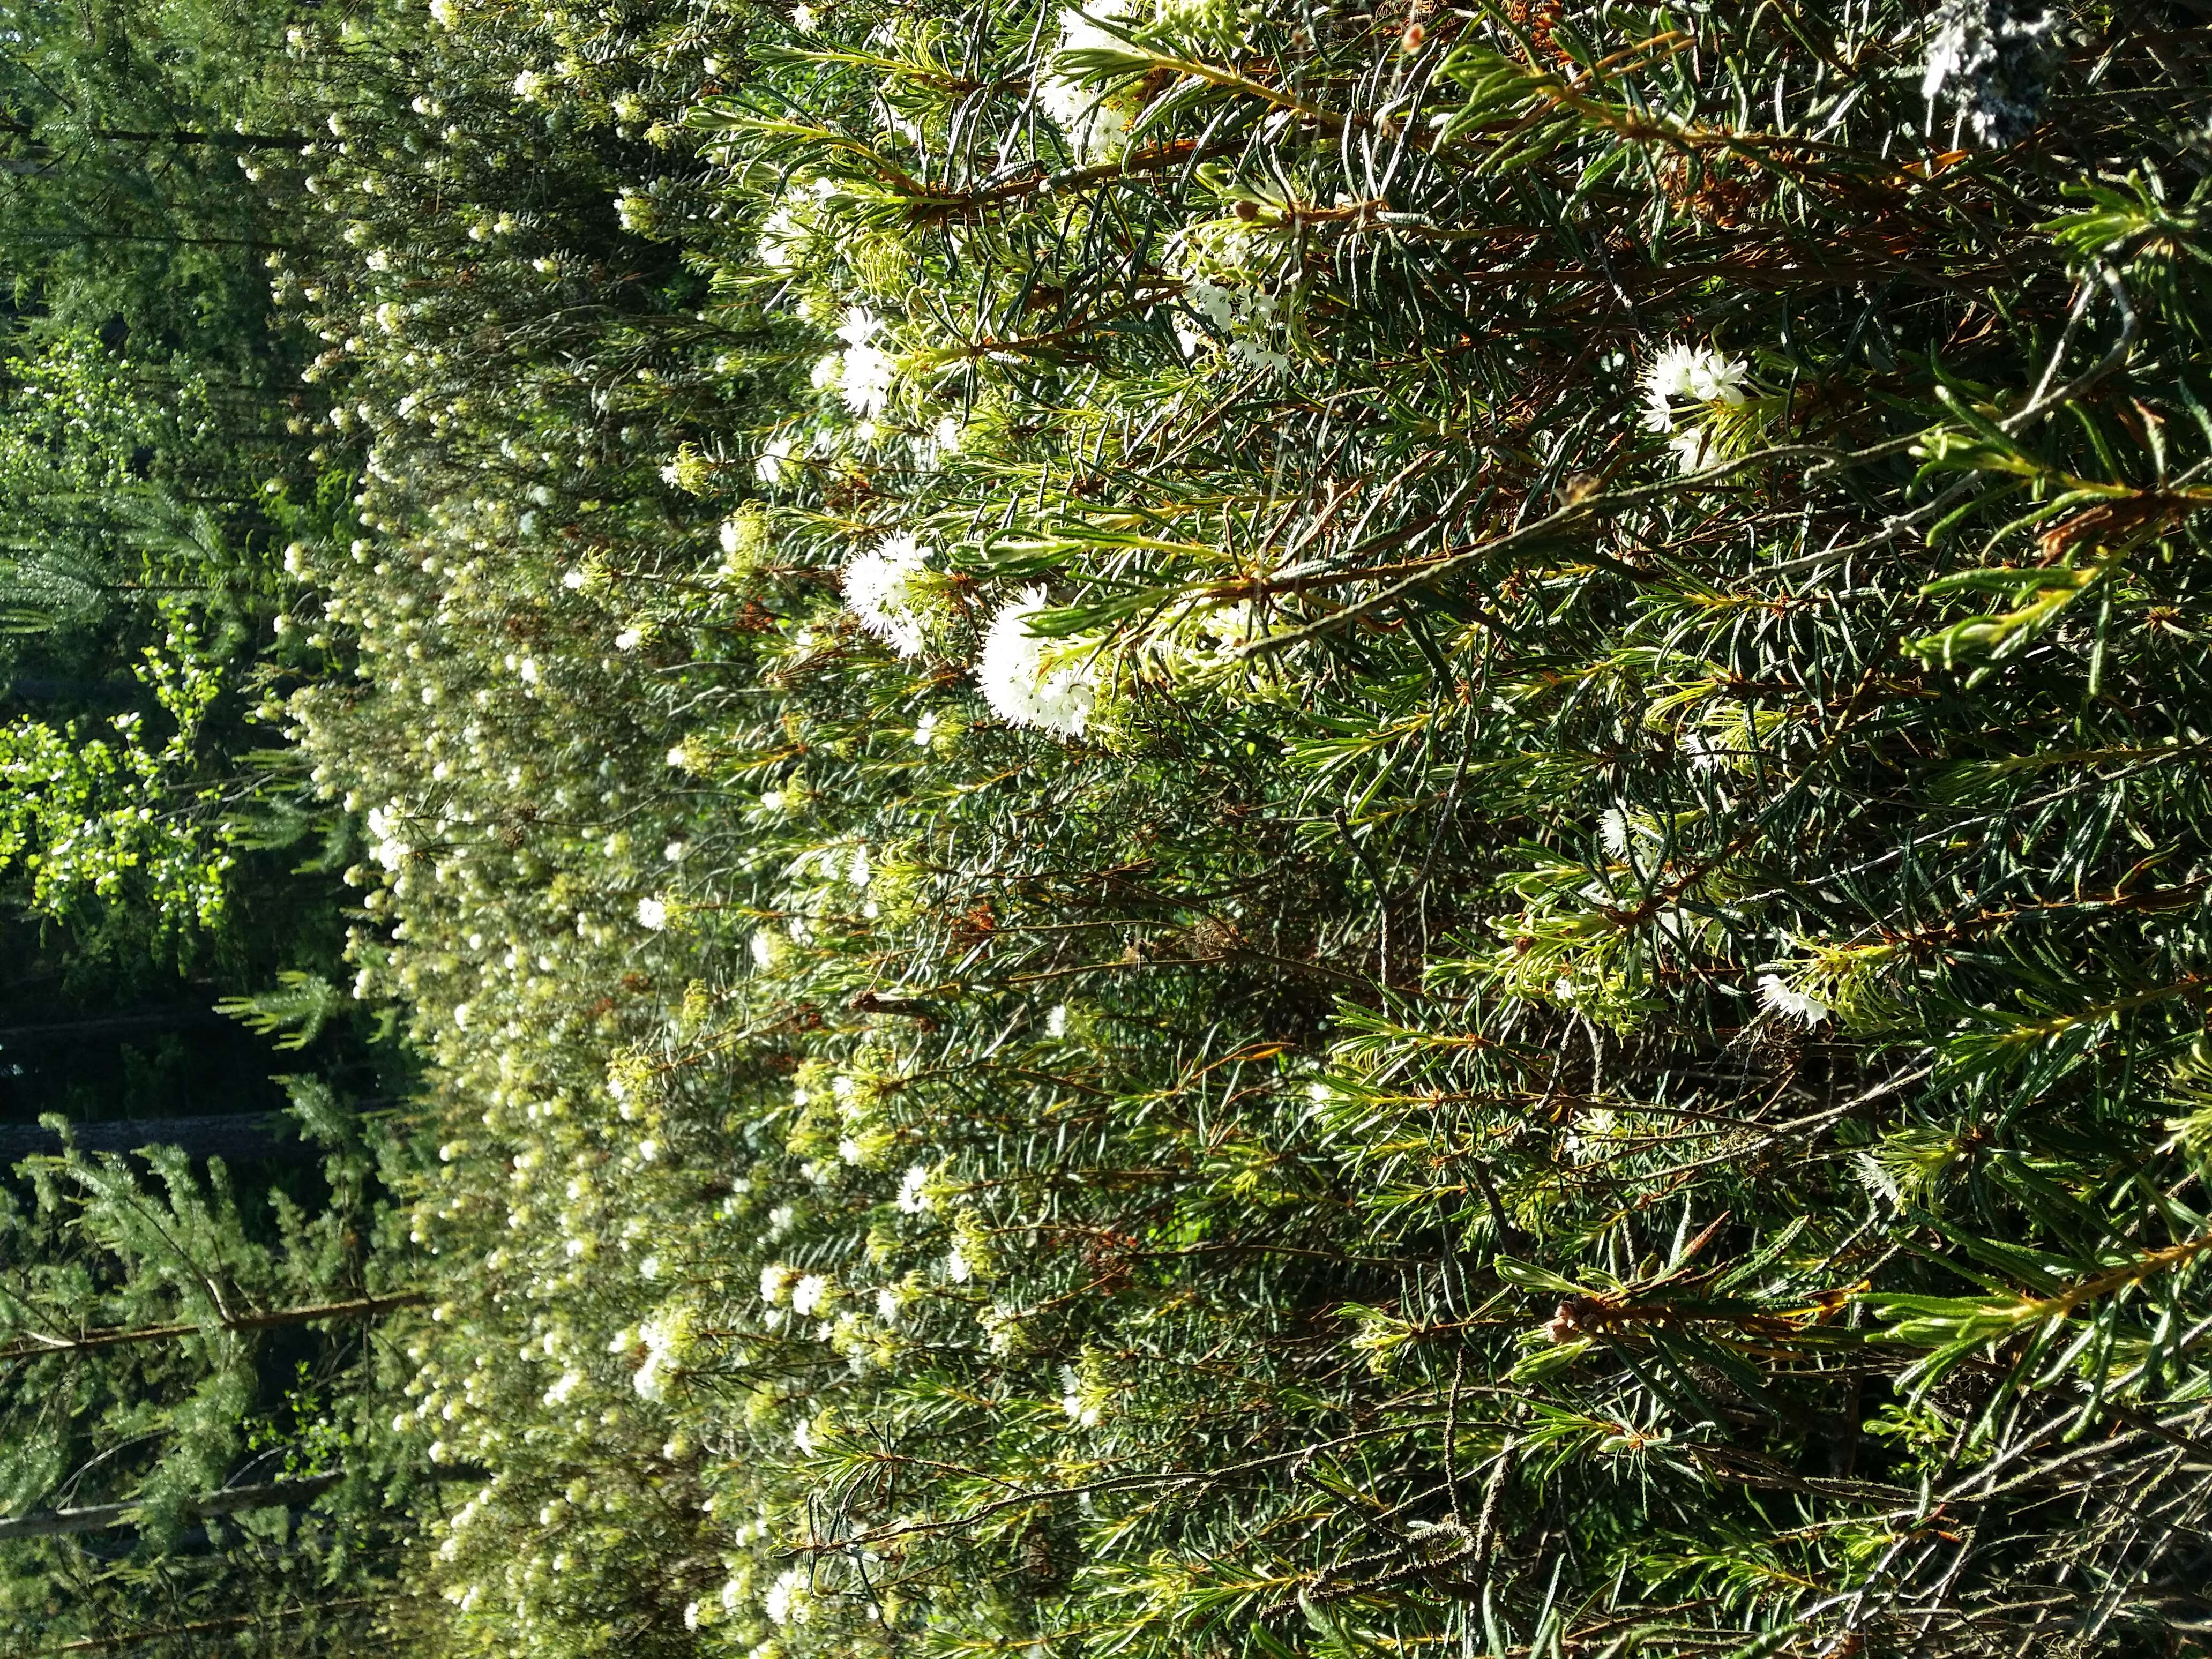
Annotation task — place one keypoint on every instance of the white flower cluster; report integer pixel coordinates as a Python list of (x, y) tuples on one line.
[(1249, 318), (1698, 376), (914, 1191), (666, 1338), (863, 372), (391, 848), (790, 1599), (1094, 123), (1792, 1002), (884, 586), (769, 466), (1030, 680)]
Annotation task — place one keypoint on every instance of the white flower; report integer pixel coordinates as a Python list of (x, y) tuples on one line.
[(1263, 359), (528, 85), (1083, 1410), (804, 20), (806, 1295), (1212, 301), (652, 912), (925, 729), (776, 1282), (956, 1265), (629, 639), (788, 1598), (783, 236), (881, 587), (1790, 1002), (864, 380), (860, 325), (769, 465), (1612, 827), (1094, 124), (664, 1339), (825, 373), (1693, 373), (914, 1191), (1030, 680), (1696, 375), (1055, 1023)]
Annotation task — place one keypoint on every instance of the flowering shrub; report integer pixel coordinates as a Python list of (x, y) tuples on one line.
[(1239, 829)]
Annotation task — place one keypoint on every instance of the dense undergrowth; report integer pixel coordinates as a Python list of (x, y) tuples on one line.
[(1264, 830)]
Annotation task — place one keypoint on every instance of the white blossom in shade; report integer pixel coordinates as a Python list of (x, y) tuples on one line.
[(914, 1191), (956, 1265), (1093, 121), (882, 587), (787, 1601), (664, 1339), (1790, 1002), (783, 233), (1055, 1023), (1613, 826), (806, 1295), (1083, 1408), (1022, 682), (770, 465), (1248, 353), (804, 19), (925, 729), (652, 912), (826, 371), (777, 1280), (1212, 301), (887, 1305)]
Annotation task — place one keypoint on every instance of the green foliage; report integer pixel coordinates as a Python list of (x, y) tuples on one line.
[(1251, 829), (144, 1338)]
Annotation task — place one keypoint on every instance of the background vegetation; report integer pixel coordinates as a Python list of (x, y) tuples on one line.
[(1179, 829)]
